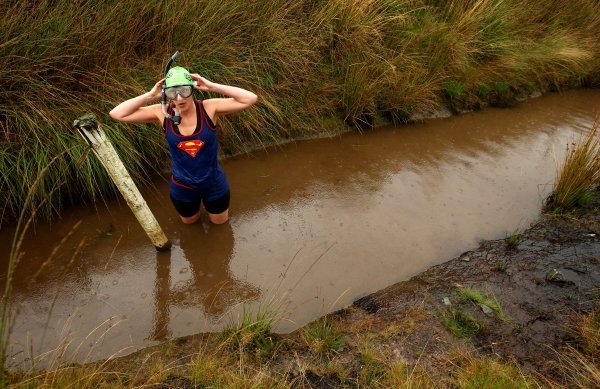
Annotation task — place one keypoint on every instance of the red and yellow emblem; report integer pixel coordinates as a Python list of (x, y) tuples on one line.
[(191, 146)]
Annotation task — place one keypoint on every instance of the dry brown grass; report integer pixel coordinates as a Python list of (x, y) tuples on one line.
[(577, 177)]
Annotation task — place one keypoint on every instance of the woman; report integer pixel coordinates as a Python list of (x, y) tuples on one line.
[(196, 176)]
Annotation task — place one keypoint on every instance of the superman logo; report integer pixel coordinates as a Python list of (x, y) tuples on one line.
[(191, 146)]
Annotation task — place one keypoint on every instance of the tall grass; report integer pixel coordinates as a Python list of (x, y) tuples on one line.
[(314, 65), (579, 174)]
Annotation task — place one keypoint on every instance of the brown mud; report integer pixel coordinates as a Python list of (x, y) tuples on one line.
[(541, 283)]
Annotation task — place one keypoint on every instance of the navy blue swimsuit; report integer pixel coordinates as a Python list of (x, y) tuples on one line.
[(196, 172)]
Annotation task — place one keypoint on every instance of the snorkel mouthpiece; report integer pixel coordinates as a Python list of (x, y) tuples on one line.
[(176, 118)]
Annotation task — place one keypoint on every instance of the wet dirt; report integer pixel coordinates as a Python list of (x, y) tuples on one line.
[(552, 275), (315, 225)]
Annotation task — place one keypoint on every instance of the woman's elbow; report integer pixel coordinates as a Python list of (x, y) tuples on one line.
[(114, 113), (253, 99)]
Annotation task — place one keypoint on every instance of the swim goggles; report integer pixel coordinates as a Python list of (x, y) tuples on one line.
[(184, 91)]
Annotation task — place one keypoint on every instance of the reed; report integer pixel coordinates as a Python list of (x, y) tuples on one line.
[(314, 65), (578, 176)]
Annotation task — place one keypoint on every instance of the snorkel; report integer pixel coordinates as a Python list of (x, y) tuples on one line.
[(176, 118)]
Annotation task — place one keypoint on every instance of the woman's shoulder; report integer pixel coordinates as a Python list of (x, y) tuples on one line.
[(209, 109)]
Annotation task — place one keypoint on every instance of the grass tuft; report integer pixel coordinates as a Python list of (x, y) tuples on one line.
[(478, 297), (322, 338), (578, 176), (492, 373), (513, 239), (461, 323), (205, 371), (454, 90), (253, 334), (501, 266)]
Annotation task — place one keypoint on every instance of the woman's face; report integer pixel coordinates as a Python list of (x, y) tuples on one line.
[(182, 104)]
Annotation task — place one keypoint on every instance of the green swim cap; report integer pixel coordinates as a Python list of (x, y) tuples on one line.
[(178, 76)]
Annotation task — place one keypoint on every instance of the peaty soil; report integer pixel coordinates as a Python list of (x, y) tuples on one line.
[(541, 283)]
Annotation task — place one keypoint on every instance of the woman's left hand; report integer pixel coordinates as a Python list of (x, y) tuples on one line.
[(202, 83)]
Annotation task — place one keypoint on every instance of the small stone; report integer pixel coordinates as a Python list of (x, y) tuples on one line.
[(465, 258), (487, 310), (446, 301), (554, 275)]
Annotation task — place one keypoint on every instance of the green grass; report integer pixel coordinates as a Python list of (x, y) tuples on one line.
[(513, 239), (454, 90), (568, 296), (322, 338), (461, 323), (373, 365), (488, 299), (483, 90), (501, 266), (310, 62), (501, 87), (253, 334)]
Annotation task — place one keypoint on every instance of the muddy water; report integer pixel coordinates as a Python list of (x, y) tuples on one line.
[(315, 225)]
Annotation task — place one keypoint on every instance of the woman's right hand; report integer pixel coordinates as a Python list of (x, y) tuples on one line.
[(156, 90)]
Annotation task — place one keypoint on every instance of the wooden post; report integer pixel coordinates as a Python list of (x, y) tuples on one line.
[(104, 150)]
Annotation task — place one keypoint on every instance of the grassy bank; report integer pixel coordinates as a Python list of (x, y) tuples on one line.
[(349, 349), (318, 66)]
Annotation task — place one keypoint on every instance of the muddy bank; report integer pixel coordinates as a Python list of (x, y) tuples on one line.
[(541, 283), (540, 278)]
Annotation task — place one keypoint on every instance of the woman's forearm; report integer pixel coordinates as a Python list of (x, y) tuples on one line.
[(130, 106), (239, 94)]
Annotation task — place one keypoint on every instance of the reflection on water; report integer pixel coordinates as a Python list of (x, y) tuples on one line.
[(210, 286), (315, 225)]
